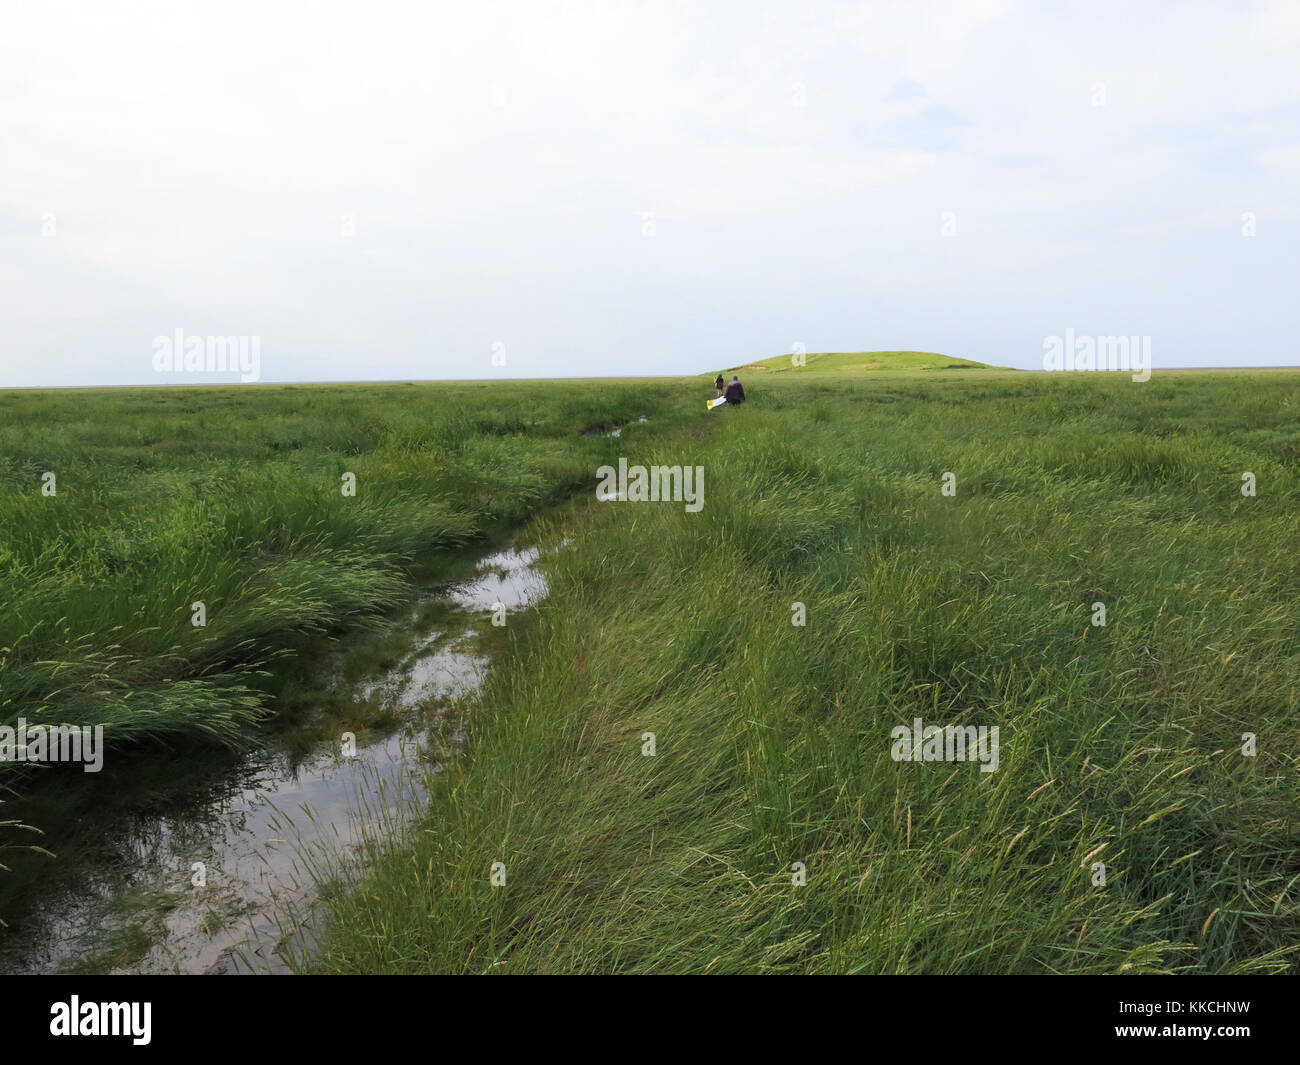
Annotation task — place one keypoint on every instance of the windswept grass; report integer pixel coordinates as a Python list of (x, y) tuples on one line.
[(1120, 743), (233, 497)]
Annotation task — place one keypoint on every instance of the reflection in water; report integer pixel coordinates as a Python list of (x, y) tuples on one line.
[(228, 883)]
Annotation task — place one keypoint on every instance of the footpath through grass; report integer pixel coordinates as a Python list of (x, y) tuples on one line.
[(1120, 744)]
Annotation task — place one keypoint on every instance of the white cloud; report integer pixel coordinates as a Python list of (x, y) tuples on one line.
[(498, 158)]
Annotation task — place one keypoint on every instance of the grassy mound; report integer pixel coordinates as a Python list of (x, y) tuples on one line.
[(861, 361)]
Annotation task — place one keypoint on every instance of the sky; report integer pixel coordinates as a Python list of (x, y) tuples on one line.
[(551, 189)]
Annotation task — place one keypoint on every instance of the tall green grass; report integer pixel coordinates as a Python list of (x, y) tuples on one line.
[(1119, 744), (232, 497)]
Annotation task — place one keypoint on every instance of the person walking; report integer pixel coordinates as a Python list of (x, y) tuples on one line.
[(719, 384)]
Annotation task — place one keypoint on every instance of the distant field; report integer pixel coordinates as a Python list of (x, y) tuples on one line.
[(853, 362)]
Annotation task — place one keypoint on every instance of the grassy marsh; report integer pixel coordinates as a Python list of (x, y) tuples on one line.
[(1119, 743)]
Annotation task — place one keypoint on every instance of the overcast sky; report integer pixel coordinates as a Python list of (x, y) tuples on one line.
[(383, 190)]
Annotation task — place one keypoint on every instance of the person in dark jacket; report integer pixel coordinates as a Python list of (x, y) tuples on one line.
[(719, 384), (735, 391)]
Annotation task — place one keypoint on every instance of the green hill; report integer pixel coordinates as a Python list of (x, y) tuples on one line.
[(851, 362)]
